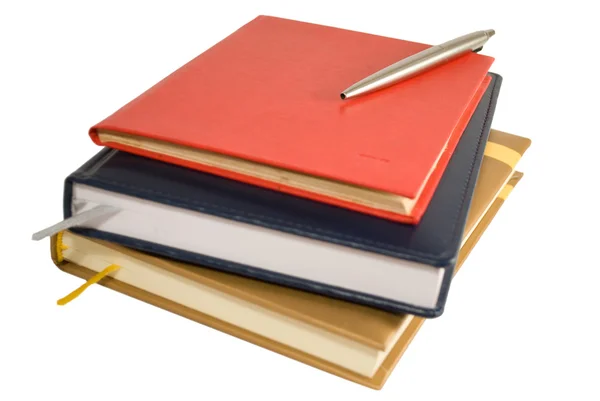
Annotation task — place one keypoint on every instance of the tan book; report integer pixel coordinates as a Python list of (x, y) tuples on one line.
[(352, 341), (502, 153)]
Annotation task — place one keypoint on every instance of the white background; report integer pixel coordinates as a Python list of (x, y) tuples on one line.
[(521, 321)]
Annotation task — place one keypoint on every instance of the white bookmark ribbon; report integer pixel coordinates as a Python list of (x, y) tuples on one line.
[(74, 221)]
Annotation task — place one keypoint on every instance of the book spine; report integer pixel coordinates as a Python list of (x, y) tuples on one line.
[(84, 172)]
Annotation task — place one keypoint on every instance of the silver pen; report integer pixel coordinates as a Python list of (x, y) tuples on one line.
[(419, 62)]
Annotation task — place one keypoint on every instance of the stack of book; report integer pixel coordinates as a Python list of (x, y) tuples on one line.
[(241, 192)]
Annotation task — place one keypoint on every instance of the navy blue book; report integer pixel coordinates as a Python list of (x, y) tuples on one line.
[(227, 225)]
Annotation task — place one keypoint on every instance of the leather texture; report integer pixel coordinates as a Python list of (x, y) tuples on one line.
[(435, 241), (494, 172), (377, 381), (269, 93)]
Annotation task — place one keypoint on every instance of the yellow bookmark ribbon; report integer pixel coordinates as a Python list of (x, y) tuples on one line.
[(92, 280)]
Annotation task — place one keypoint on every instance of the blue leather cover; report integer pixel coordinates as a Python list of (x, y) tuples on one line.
[(435, 241)]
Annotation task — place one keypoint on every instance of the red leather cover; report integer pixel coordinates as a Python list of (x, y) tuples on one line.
[(269, 93)]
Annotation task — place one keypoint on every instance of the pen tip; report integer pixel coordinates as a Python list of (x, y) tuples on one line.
[(490, 33), (343, 95)]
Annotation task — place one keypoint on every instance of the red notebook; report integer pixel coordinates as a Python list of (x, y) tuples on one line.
[(263, 106)]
